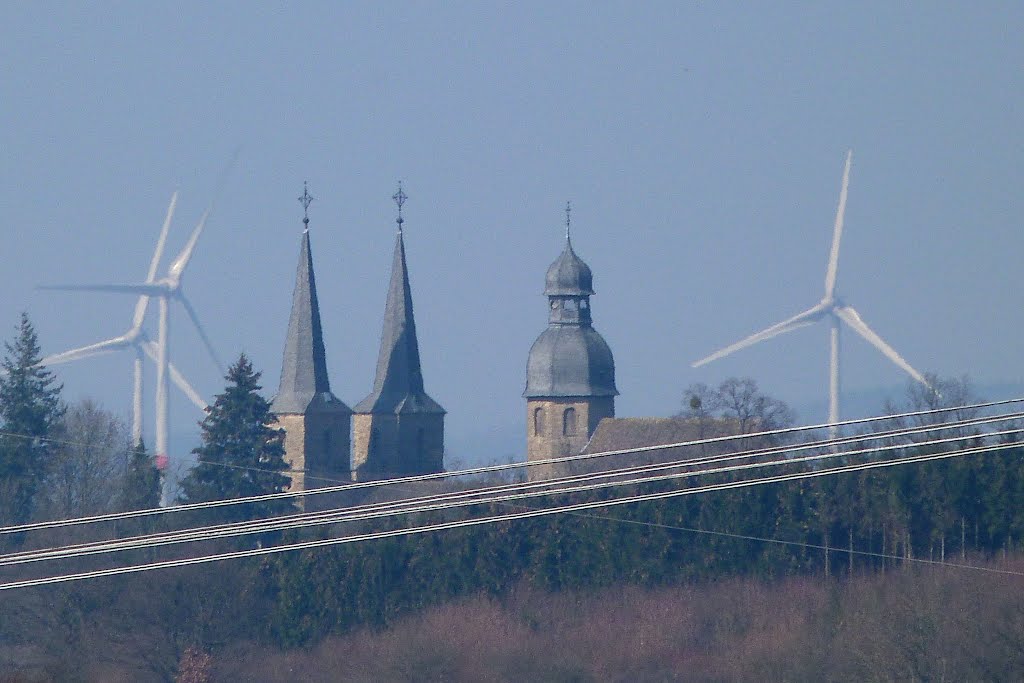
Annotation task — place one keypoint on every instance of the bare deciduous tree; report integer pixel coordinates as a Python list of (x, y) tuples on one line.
[(85, 476)]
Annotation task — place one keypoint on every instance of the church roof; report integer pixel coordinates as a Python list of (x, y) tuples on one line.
[(569, 275), (620, 433), (398, 386), (304, 384), (623, 433), (570, 360)]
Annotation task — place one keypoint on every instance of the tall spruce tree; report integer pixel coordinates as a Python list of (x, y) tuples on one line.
[(242, 454), (31, 414), (141, 486)]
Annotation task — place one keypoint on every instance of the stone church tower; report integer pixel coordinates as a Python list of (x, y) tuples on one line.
[(317, 425), (398, 429), (570, 375)]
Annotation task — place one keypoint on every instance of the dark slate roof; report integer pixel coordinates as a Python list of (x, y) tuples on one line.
[(570, 360), (398, 387), (569, 275), (618, 433), (304, 384)]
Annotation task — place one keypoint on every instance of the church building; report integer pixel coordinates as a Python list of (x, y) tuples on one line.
[(397, 430), (570, 375), (316, 423)]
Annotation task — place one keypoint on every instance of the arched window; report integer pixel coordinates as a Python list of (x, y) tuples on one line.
[(569, 422), (374, 444), (538, 421)]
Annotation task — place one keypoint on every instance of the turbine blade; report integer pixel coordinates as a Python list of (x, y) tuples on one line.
[(186, 388), (837, 232), (199, 328), (140, 311), (143, 303), (162, 240), (808, 317), (108, 346), (150, 347), (145, 288), (851, 318), (185, 255)]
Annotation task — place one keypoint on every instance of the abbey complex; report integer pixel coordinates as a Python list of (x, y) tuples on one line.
[(398, 429)]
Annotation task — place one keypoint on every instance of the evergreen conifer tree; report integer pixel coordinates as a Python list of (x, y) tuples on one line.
[(242, 454), (141, 487), (31, 414)]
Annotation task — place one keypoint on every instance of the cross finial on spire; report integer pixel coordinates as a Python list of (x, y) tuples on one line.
[(306, 199), (568, 219), (399, 198)]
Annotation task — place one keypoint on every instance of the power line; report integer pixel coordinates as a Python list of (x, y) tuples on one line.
[(438, 502), (488, 469), (660, 495), (394, 508)]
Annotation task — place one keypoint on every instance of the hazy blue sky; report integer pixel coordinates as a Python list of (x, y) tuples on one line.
[(701, 144)]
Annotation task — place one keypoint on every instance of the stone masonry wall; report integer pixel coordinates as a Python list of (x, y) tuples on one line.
[(550, 441)]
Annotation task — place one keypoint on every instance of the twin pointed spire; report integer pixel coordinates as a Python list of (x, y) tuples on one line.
[(304, 382), (398, 385)]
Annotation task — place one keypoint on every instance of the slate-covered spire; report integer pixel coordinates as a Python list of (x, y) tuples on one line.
[(398, 387), (304, 382)]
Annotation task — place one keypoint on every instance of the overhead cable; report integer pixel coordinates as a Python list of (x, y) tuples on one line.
[(320, 543), (477, 470), (455, 499)]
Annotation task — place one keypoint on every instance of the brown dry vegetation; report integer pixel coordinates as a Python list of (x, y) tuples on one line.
[(910, 625)]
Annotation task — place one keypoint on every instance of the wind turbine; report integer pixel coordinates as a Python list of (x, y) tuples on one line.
[(832, 308), (137, 339), (164, 290)]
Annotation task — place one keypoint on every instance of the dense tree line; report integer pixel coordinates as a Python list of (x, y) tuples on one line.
[(944, 510), (969, 508)]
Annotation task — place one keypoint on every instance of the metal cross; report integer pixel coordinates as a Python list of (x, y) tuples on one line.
[(399, 198), (568, 218), (306, 200)]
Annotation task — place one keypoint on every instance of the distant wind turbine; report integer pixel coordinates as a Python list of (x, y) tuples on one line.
[(164, 289), (835, 310), (137, 339)]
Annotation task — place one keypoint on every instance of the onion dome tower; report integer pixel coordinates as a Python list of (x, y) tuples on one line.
[(398, 429), (570, 374), (316, 423)]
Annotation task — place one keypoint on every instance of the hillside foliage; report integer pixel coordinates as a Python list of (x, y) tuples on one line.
[(780, 575)]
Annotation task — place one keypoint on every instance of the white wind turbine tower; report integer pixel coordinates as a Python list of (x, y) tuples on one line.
[(835, 310), (137, 339), (164, 289)]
